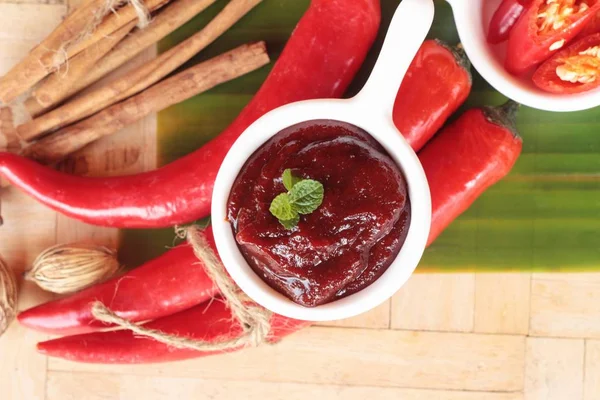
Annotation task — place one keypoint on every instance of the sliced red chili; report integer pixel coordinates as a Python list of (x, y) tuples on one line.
[(593, 26), (546, 27), (503, 20), (575, 69)]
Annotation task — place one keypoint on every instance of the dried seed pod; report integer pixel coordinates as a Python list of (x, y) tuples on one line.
[(68, 268), (8, 296)]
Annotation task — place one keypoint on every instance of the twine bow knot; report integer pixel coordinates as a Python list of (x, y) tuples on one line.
[(254, 319)]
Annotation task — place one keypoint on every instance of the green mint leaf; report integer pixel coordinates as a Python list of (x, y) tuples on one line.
[(306, 196), (282, 209), (303, 197), (290, 223), (290, 180)]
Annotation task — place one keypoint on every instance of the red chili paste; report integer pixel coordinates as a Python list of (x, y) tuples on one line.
[(353, 236)]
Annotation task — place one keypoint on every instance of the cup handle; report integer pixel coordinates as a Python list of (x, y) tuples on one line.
[(408, 28)]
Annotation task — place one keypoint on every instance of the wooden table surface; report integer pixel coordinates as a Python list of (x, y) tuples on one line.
[(442, 337)]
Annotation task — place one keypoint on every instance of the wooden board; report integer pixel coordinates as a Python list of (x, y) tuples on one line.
[(442, 337)]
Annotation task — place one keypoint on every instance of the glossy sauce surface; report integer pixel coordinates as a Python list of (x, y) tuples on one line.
[(350, 240)]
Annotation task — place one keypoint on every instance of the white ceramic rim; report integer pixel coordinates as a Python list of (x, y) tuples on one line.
[(418, 190), (472, 25)]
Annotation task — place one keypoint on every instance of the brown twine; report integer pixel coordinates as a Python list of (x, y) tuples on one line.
[(254, 319), (142, 12), (61, 54)]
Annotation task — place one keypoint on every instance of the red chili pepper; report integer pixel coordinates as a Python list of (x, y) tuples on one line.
[(320, 59), (163, 286), (437, 82), (575, 69), (503, 20), (461, 162), (467, 157), (207, 322), (542, 30)]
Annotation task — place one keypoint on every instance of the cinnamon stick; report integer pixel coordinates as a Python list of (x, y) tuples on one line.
[(166, 21), (49, 54), (113, 22), (175, 89), (117, 24), (56, 86), (9, 141), (138, 79)]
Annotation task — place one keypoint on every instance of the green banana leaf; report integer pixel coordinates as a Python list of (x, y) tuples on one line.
[(545, 216)]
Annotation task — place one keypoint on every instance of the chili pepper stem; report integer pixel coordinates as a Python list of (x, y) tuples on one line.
[(504, 115), (459, 53)]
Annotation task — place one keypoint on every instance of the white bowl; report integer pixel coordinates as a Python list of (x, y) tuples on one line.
[(370, 110), (472, 19)]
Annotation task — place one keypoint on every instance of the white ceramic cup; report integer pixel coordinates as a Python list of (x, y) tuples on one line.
[(370, 110), (472, 18)]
